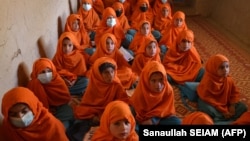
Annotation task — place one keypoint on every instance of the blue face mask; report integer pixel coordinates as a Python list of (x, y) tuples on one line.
[(24, 121)]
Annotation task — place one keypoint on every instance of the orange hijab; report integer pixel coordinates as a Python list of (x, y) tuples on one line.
[(98, 6), (138, 16), (117, 29), (81, 35), (158, 4), (69, 65), (243, 119), (54, 93), (142, 58), (90, 18), (215, 90), (122, 19), (44, 127), (161, 22), (139, 37), (124, 70), (197, 118), (99, 93), (115, 111), (148, 104), (170, 34), (183, 66)]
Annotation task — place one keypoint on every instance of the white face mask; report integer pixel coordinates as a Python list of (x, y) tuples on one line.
[(86, 7), (111, 22), (122, 1), (164, 1), (24, 121), (45, 77)]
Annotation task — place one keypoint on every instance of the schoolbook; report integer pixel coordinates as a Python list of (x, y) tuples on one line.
[(194, 132)]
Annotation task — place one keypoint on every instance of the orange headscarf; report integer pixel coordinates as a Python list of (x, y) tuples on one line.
[(197, 118), (124, 70), (142, 58), (115, 111), (117, 29), (183, 66), (54, 93), (148, 104), (90, 18), (138, 16), (127, 8), (98, 6), (99, 93), (244, 119), (215, 90), (170, 34), (158, 4), (139, 37), (160, 22), (44, 127), (81, 35), (69, 65), (122, 19)]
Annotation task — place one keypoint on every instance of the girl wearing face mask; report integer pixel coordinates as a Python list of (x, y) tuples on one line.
[(143, 12), (51, 90), (110, 24), (25, 118), (90, 18)]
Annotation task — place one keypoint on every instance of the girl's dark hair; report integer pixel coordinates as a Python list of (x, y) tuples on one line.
[(106, 65)]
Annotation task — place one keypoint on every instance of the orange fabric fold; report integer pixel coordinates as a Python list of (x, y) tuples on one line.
[(197, 118), (243, 119), (148, 104), (218, 91), (99, 93), (44, 127)]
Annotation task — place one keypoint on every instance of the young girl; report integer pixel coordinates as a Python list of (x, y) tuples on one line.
[(51, 90), (25, 118), (182, 61), (117, 123), (139, 37), (153, 98), (170, 34), (71, 64), (110, 24), (108, 47), (219, 96), (104, 87), (90, 18), (74, 24), (149, 51)]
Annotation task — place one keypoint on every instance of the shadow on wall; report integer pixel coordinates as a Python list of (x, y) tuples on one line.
[(41, 47), (60, 27), (70, 7), (23, 75)]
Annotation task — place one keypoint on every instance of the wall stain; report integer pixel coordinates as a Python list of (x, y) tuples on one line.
[(16, 54)]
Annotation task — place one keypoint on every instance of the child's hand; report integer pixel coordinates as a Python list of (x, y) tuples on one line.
[(227, 115), (69, 83)]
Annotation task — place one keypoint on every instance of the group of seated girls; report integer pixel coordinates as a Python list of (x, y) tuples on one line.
[(88, 64)]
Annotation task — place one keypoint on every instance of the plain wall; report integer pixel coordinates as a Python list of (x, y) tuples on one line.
[(29, 29)]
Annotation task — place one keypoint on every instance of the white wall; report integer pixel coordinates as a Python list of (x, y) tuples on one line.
[(29, 29)]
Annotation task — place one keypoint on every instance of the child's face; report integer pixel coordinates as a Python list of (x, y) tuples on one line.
[(165, 12), (223, 69), (19, 110), (120, 129), (151, 49), (178, 22), (145, 29), (156, 82), (184, 45), (108, 75), (110, 46), (67, 46), (75, 25)]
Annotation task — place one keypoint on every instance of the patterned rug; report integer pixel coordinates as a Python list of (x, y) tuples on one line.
[(210, 41)]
